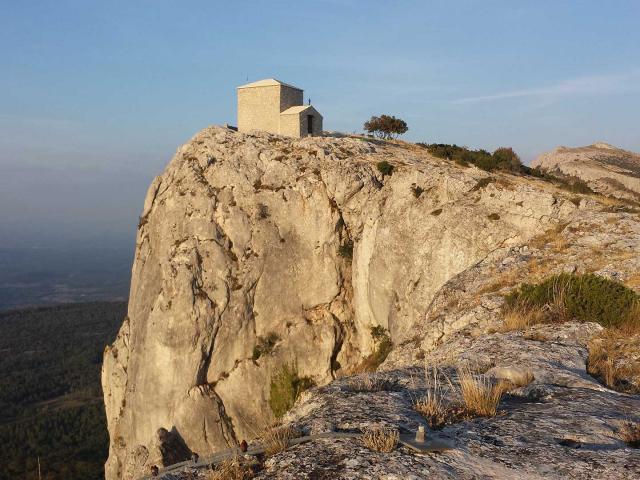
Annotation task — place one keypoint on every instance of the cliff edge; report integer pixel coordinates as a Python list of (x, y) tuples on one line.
[(256, 253)]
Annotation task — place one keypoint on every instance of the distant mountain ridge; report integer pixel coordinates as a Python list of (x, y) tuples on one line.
[(605, 168)]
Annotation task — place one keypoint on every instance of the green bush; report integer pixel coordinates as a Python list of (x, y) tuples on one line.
[(504, 158), (265, 345), (286, 387), (385, 168), (586, 298)]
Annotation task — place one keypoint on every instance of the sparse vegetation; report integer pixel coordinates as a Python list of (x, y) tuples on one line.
[(383, 348), (519, 378), (432, 405), (230, 469), (586, 298), (370, 382), (381, 439), (503, 158), (265, 345), (417, 191), (548, 236), (629, 433), (346, 249), (483, 182), (286, 386), (472, 395), (276, 439), (386, 126), (480, 394), (384, 167), (613, 357), (521, 318), (263, 211)]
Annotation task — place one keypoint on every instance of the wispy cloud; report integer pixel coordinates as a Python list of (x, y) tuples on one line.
[(587, 85)]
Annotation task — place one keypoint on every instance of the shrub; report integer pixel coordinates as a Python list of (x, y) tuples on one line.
[(385, 168), (483, 182), (286, 386), (386, 126), (493, 216), (346, 249), (503, 158), (587, 298), (383, 348), (378, 333), (265, 345), (506, 159), (263, 211), (417, 191), (381, 439)]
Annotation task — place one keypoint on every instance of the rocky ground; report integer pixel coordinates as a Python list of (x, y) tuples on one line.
[(564, 424), (306, 242)]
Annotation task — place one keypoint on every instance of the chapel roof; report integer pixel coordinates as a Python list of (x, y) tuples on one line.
[(267, 82)]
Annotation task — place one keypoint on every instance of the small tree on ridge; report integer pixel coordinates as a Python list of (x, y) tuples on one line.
[(386, 126)]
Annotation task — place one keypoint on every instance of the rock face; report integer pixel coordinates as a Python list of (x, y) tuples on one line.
[(252, 236), (605, 168)]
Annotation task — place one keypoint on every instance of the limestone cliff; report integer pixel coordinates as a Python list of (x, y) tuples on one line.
[(606, 169), (253, 236)]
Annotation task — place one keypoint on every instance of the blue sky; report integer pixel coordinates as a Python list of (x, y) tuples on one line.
[(95, 97)]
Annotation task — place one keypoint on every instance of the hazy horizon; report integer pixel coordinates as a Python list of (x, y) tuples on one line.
[(96, 98)]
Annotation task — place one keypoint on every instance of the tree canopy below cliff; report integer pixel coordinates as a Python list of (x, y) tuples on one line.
[(50, 396)]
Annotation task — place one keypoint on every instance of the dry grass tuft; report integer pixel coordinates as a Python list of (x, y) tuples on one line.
[(370, 382), (551, 236), (433, 406), (521, 318), (480, 394), (633, 281), (613, 357), (381, 439), (629, 433), (517, 379), (507, 278), (536, 269), (536, 336), (231, 469), (276, 439)]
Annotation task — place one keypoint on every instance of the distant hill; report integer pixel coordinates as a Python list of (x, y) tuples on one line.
[(605, 168), (50, 396)]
